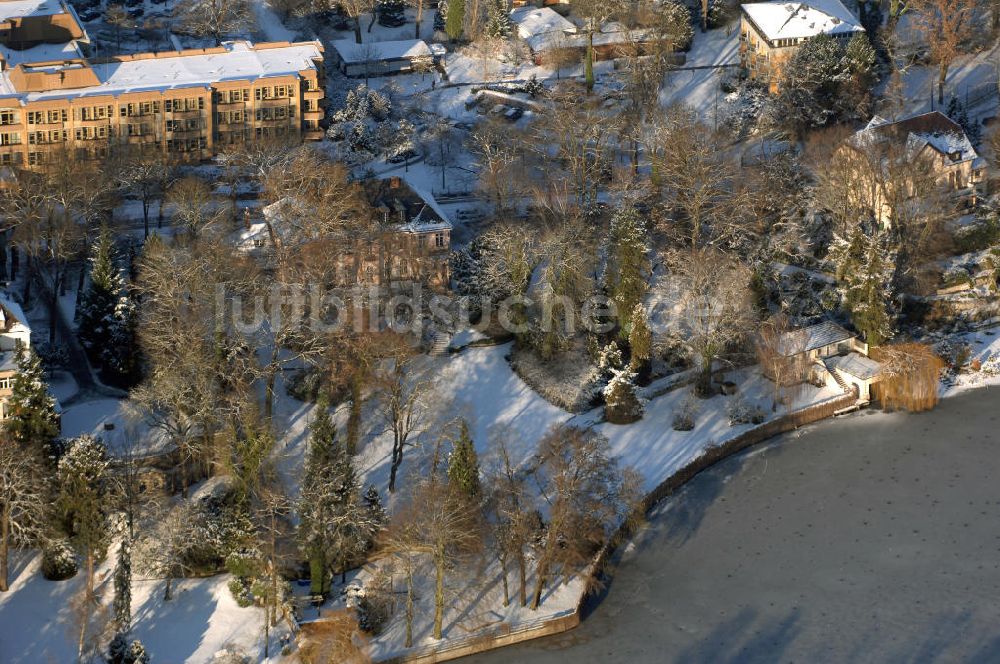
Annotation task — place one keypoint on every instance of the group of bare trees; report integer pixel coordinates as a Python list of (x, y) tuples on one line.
[(546, 520)]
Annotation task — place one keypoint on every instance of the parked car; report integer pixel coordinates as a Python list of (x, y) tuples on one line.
[(514, 114)]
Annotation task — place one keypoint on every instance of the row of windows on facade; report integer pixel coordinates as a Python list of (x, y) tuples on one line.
[(55, 116), (143, 129), (172, 145)]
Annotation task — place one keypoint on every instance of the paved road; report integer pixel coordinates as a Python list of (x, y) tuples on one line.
[(874, 538)]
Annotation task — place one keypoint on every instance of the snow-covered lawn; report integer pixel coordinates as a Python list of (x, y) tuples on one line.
[(90, 417), (36, 622), (985, 347), (699, 88)]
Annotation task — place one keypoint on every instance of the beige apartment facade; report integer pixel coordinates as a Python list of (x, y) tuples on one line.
[(44, 118), (771, 33)]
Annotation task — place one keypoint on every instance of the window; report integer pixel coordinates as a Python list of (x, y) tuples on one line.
[(5, 383), (8, 117), (10, 139), (440, 240)]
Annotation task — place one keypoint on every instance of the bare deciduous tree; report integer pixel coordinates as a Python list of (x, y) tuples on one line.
[(23, 503), (782, 358), (712, 310), (945, 25), (496, 155), (512, 518), (587, 496), (216, 18), (436, 522), (403, 394)]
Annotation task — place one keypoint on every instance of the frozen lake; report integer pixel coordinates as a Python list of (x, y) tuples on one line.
[(870, 538)]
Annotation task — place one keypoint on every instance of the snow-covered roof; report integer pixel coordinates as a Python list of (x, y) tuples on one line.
[(240, 60), (813, 337), (540, 27), (934, 130), (422, 212), (40, 53), (12, 316), (801, 20), (855, 364), (17, 8), (352, 52)]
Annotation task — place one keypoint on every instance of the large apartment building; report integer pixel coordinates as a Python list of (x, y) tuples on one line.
[(184, 104), (771, 32)]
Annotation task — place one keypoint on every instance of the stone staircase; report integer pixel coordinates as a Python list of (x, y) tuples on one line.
[(439, 347)]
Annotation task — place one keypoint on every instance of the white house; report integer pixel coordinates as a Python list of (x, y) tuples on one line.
[(835, 356), (14, 330), (542, 28), (381, 58)]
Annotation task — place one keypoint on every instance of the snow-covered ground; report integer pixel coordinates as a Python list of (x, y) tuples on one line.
[(37, 624), (985, 347), (699, 88)]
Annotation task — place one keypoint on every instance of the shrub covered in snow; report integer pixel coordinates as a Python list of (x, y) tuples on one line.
[(686, 414), (123, 651), (742, 412), (621, 405), (240, 589), (375, 602), (58, 560)]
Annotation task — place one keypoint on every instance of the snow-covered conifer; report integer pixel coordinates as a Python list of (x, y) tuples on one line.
[(81, 501), (625, 278), (463, 464), (621, 405), (123, 587), (31, 418), (497, 19)]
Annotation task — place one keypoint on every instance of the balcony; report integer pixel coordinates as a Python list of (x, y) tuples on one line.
[(230, 105), (312, 115), (186, 133), (195, 113), (313, 94), (274, 103), (140, 139)]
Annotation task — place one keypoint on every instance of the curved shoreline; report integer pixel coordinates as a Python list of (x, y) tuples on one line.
[(929, 448)]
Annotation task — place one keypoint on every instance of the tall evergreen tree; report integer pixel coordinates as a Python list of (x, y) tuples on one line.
[(640, 338), (625, 278), (373, 505), (334, 525), (463, 464), (96, 312), (123, 587), (498, 19), (866, 268), (440, 16), (81, 502), (106, 314), (31, 418), (454, 23)]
